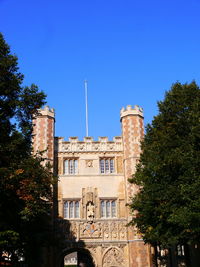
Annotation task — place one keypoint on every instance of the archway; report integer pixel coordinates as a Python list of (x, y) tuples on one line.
[(113, 257), (79, 257)]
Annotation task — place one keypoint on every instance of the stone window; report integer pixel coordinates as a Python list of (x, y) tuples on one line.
[(108, 208), (71, 166), (180, 250), (107, 165), (71, 209)]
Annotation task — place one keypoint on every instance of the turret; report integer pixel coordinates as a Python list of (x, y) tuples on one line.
[(132, 133), (43, 133)]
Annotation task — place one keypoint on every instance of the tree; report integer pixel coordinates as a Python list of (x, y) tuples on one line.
[(167, 206), (25, 186)]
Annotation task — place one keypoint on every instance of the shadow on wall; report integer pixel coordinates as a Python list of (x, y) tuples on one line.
[(66, 244), (65, 241), (59, 241)]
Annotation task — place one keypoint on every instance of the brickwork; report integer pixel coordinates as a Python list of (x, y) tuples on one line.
[(139, 256), (43, 133), (132, 134), (109, 240)]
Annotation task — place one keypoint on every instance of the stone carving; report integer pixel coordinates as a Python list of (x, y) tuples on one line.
[(89, 196), (90, 211), (74, 231), (114, 230), (90, 230), (111, 147), (122, 230), (96, 147), (103, 144), (114, 257), (90, 203), (106, 230), (81, 147), (89, 163)]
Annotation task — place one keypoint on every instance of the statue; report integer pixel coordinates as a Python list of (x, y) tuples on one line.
[(90, 211)]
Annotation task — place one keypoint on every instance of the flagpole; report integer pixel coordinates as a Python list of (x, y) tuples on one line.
[(86, 105)]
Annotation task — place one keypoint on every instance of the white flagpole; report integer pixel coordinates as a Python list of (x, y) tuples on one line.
[(86, 106)]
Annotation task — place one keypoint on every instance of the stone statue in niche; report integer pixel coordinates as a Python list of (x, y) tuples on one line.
[(90, 211)]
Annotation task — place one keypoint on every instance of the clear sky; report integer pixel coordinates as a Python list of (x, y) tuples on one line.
[(129, 51)]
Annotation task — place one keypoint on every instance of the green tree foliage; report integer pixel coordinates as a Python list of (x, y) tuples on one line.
[(25, 186), (167, 207)]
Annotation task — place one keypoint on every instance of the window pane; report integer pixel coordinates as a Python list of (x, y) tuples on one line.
[(113, 208), (71, 166), (77, 209), (107, 208), (111, 166), (102, 166), (103, 214), (66, 209), (107, 165), (66, 166), (71, 209), (75, 166)]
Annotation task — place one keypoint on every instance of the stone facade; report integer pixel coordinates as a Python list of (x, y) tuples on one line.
[(93, 190)]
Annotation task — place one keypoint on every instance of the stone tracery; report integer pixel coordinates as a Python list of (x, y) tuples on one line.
[(113, 257)]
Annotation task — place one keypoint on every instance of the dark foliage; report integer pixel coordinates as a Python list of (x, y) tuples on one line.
[(25, 186), (167, 208)]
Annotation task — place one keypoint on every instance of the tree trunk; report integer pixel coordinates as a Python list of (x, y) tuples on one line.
[(187, 255), (155, 257)]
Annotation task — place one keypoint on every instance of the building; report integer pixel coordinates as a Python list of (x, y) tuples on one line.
[(93, 190)]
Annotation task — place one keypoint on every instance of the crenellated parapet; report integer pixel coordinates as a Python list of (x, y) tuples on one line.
[(129, 110), (89, 145), (47, 111)]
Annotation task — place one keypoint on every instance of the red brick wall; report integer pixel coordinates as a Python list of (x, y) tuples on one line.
[(139, 254), (43, 136), (132, 133)]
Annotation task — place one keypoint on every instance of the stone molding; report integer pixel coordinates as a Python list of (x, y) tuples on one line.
[(114, 256), (89, 145)]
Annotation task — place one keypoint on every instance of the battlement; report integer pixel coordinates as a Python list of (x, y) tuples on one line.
[(129, 110), (89, 145), (47, 111)]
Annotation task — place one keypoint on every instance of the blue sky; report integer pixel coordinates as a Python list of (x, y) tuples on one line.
[(129, 51)]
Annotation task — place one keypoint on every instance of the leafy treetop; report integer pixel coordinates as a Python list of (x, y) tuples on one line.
[(168, 203), (25, 186)]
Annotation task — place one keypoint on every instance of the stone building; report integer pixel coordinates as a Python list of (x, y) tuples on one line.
[(93, 190)]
